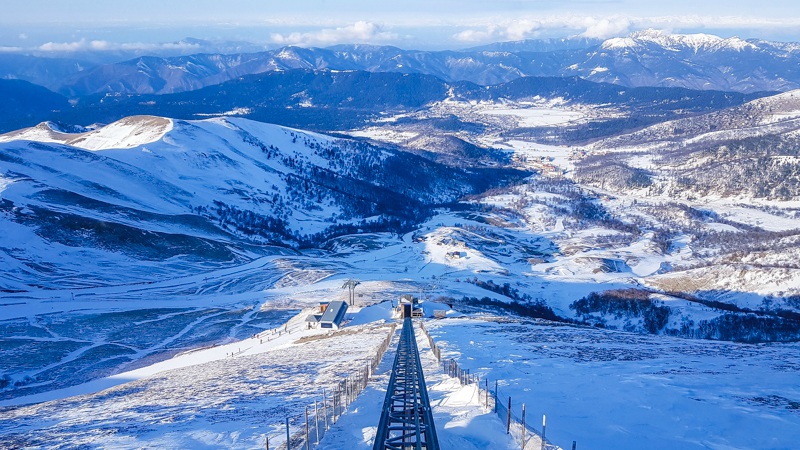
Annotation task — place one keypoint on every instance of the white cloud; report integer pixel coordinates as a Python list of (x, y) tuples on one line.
[(476, 35), (525, 28), (98, 45), (64, 46), (604, 27), (359, 32)]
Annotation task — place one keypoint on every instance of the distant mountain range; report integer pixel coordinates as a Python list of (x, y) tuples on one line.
[(648, 58), (325, 100), (25, 103)]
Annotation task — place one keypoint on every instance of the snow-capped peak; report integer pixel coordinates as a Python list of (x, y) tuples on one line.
[(677, 42), (126, 133)]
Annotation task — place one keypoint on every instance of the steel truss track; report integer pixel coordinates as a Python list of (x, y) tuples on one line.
[(406, 418)]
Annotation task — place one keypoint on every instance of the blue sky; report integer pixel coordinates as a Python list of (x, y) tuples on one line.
[(77, 25)]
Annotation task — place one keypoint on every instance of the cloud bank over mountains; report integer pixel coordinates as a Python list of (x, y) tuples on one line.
[(128, 25), (358, 32)]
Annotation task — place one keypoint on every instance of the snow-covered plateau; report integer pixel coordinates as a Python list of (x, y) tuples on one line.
[(157, 275)]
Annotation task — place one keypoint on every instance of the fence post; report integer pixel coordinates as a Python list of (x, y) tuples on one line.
[(487, 392), (288, 442), (333, 406), (316, 422), (266, 442), (495, 396), (325, 409), (574, 445), (308, 444), (508, 420), (523, 426), (544, 430)]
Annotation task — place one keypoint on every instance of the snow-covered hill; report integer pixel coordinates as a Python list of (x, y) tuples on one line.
[(126, 133), (146, 196), (749, 151)]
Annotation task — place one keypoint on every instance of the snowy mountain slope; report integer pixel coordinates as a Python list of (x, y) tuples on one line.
[(168, 193), (211, 398), (126, 133), (743, 121), (607, 389), (746, 151)]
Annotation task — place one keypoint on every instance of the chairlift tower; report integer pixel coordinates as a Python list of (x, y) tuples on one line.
[(351, 285)]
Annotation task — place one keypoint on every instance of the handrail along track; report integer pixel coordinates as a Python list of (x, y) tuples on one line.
[(406, 417)]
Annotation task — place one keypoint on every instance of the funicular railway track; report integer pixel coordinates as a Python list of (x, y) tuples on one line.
[(406, 417)]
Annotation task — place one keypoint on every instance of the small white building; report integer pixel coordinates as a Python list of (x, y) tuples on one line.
[(408, 306), (334, 315)]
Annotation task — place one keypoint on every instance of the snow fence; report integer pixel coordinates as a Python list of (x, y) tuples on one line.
[(513, 415), (305, 432)]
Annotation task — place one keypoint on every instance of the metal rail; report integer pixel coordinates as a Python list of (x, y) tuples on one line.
[(406, 418)]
